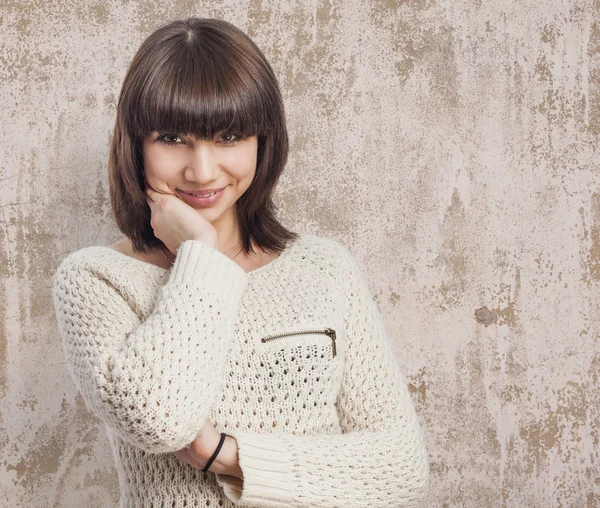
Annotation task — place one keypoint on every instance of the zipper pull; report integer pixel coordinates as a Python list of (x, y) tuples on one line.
[(331, 333)]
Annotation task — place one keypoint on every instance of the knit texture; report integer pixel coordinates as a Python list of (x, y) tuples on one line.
[(156, 352)]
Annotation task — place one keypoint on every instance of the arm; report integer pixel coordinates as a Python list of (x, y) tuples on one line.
[(380, 460), (151, 382)]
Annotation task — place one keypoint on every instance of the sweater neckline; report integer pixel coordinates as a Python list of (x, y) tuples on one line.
[(279, 259)]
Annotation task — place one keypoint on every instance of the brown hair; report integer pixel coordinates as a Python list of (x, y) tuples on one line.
[(202, 77)]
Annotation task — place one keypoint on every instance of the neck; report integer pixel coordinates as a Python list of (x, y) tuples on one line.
[(230, 238), (231, 246)]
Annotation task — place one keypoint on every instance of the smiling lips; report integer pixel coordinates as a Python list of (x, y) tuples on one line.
[(205, 199), (203, 193)]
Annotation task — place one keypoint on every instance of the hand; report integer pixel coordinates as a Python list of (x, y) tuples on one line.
[(200, 450), (174, 221)]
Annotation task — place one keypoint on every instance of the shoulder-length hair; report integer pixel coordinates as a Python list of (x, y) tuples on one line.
[(203, 77)]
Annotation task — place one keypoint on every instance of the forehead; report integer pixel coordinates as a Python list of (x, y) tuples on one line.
[(199, 124), (187, 135)]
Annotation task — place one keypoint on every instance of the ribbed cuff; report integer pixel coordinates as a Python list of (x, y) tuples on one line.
[(265, 463), (198, 262)]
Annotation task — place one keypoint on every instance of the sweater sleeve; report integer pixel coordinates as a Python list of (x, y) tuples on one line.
[(152, 382), (379, 460)]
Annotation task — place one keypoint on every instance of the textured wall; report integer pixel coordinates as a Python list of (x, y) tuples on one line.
[(453, 146)]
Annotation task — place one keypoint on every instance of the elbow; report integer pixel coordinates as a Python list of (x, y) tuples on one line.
[(141, 423), (421, 476), (413, 474), (151, 421), (421, 487), (152, 435)]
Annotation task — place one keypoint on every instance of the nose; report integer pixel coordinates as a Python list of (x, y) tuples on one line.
[(203, 165)]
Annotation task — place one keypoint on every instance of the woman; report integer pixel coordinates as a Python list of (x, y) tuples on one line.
[(211, 339)]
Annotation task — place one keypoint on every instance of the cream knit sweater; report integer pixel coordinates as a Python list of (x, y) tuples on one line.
[(318, 422)]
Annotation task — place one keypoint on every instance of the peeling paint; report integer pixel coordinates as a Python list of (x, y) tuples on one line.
[(593, 262)]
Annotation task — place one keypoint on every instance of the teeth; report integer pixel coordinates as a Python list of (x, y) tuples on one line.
[(203, 195)]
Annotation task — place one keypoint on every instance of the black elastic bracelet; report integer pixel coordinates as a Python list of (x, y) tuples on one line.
[(214, 455)]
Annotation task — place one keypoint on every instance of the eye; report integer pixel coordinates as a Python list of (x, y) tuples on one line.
[(167, 139), (229, 139)]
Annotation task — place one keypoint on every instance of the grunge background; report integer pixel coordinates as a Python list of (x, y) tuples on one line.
[(451, 145)]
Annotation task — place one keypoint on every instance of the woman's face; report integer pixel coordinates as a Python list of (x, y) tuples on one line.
[(177, 163)]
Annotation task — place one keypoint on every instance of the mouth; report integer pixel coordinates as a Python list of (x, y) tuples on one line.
[(206, 193), (202, 198)]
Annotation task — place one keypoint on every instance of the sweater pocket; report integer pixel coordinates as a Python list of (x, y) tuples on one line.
[(314, 343), (300, 367)]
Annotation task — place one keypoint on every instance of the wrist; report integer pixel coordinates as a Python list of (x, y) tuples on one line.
[(211, 243), (227, 461)]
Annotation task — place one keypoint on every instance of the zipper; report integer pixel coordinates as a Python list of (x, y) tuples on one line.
[(326, 331)]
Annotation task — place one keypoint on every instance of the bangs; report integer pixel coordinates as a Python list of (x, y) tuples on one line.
[(201, 92)]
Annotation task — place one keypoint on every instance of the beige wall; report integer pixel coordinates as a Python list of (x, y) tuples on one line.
[(452, 146)]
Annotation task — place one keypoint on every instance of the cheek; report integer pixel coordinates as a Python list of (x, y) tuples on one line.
[(152, 171), (244, 164), (159, 167)]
